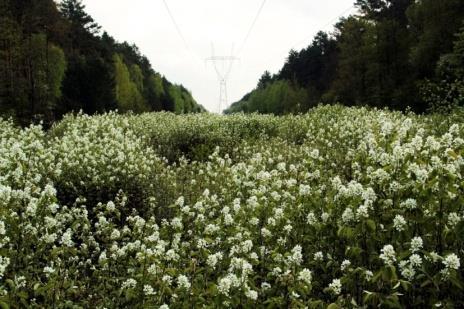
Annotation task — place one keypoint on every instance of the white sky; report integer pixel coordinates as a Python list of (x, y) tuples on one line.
[(282, 25)]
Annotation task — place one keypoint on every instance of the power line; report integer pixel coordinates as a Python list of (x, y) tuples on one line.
[(176, 25), (252, 27), (329, 23), (179, 32)]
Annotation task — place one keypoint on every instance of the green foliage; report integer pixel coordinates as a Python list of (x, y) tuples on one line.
[(355, 68), (154, 92), (275, 98), (433, 25), (447, 93), (128, 86), (57, 69)]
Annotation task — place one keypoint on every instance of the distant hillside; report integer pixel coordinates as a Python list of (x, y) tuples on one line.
[(55, 59), (394, 54)]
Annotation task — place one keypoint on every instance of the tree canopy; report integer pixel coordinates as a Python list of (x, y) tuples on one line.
[(55, 59), (392, 54)]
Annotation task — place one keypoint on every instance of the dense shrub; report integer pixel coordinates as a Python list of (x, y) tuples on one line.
[(342, 206)]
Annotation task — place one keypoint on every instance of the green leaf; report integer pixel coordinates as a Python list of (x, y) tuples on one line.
[(345, 232), (333, 306), (10, 283), (389, 273), (406, 285), (370, 224), (4, 305), (454, 281), (426, 283), (460, 228)]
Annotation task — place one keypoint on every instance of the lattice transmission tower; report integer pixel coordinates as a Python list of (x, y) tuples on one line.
[(223, 66)]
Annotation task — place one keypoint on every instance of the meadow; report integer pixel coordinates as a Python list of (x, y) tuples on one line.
[(340, 207)]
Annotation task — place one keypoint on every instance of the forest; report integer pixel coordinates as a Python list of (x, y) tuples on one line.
[(396, 54), (55, 59)]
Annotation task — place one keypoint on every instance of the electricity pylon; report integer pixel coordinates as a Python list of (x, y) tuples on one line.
[(223, 66)]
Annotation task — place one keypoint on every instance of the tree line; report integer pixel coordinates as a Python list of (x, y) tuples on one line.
[(55, 59), (398, 54)]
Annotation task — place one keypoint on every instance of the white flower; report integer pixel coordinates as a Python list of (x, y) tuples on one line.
[(435, 257), (66, 238), (236, 206), (386, 128), (265, 286), (176, 223), (228, 219), (305, 275), (347, 216), (451, 261), (278, 213), (453, 219), (415, 260), (311, 218), (102, 258), (247, 245), (152, 270), (336, 286), (213, 259), (226, 283), (110, 207), (50, 222), (49, 238), (368, 275), (409, 204), (47, 270), (115, 234), (407, 270), (399, 223), (296, 257), (271, 221), (211, 229), (254, 221), (31, 208), (345, 264), (20, 282), (148, 290), (183, 282), (276, 271), (325, 216), (288, 228), (318, 256), (167, 279), (253, 295), (4, 262), (416, 244), (304, 190), (362, 211), (129, 284), (265, 232), (180, 201), (388, 254), (53, 208)]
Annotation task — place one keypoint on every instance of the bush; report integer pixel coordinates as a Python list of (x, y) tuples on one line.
[(340, 207)]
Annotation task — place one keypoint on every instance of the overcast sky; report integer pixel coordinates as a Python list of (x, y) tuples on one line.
[(282, 25)]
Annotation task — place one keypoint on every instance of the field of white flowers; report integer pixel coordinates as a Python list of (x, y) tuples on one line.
[(339, 208)]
